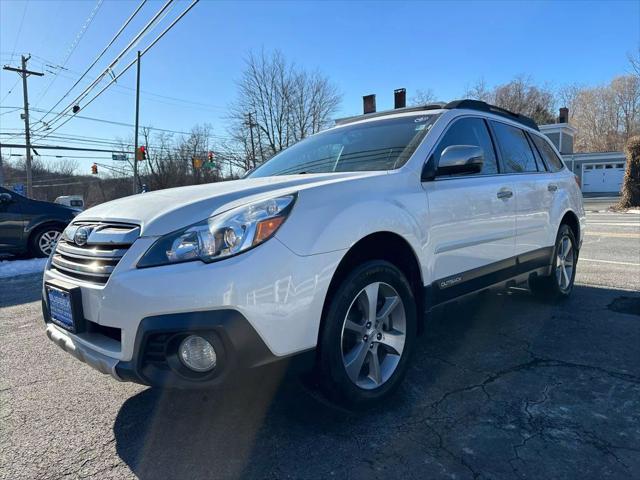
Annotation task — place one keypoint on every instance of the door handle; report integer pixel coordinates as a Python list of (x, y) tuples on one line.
[(505, 194), (552, 187)]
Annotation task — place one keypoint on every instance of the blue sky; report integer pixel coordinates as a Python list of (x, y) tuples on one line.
[(364, 47)]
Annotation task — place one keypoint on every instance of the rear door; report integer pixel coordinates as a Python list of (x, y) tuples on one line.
[(472, 217), (533, 188), (12, 222)]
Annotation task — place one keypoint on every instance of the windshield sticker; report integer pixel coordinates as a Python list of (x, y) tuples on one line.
[(421, 127), (421, 119)]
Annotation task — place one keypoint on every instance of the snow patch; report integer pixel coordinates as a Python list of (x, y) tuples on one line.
[(12, 268)]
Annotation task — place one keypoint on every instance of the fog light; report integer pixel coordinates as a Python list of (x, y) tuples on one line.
[(197, 354)]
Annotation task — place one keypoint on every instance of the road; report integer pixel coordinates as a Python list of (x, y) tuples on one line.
[(502, 386)]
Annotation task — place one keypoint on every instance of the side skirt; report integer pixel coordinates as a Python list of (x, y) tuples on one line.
[(515, 268)]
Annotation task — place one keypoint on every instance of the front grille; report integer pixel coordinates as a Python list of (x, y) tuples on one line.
[(155, 349), (93, 257)]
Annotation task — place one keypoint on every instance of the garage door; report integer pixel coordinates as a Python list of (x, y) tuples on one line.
[(602, 177)]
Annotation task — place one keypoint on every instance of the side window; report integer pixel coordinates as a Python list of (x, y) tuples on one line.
[(550, 157), (517, 156), (470, 131)]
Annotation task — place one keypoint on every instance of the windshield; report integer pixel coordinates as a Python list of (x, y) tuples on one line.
[(379, 145)]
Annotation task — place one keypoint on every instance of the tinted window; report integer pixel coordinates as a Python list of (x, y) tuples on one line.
[(470, 131), (379, 145), (550, 157), (517, 156)]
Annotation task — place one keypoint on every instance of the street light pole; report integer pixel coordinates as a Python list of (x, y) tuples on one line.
[(135, 152)]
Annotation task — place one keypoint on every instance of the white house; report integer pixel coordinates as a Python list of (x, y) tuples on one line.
[(598, 172)]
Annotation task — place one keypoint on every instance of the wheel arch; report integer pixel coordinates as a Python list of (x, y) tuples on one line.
[(34, 229), (571, 220), (383, 245)]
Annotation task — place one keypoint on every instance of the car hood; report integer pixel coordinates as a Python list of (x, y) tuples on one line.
[(165, 211)]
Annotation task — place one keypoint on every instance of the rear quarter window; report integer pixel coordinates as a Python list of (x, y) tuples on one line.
[(548, 154)]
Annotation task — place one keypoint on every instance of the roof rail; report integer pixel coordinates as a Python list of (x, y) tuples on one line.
[(486, 107), (417, 108), (456, 104)]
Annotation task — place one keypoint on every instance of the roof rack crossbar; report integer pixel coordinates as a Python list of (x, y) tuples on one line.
[(486, 107)]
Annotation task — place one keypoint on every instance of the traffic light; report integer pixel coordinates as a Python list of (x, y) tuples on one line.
[(94, 169), (141, 154), (210, 161)]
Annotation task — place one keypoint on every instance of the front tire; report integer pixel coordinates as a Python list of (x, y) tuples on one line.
[(44, 241), (559, 284), (368, 335)]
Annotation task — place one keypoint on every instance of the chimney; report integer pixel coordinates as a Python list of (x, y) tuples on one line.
[(564, 115), (400, 98), (369, 103)]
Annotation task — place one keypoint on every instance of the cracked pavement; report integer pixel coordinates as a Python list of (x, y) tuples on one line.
[(502, 386)]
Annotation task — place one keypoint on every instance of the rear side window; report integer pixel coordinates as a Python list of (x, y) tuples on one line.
[(470, 131), (517, 156), (548, 154)]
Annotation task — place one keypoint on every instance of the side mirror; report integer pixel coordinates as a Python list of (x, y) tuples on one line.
[(5, 198), (460, 159)]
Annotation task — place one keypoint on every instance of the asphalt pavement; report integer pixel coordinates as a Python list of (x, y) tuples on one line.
[(502, 386)]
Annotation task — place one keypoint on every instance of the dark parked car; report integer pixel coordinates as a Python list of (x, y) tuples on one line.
[(30, 226)]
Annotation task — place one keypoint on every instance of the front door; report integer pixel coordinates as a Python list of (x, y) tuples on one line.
[(472, 218)]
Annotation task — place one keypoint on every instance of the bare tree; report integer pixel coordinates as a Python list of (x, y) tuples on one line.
[(278, 104), (423, 97), (479, 91), (520, 95), (66, 166), (634, 61), (606, 116)]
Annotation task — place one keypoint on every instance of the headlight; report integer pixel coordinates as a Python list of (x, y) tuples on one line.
[(221, 236)]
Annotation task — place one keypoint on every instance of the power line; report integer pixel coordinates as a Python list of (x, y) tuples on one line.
[(108, 69), (162, 34), (56, 147), (121, 124), (85, 141), (10, 90), (15, 44), (72, 47), (126, 23), (66, 156)]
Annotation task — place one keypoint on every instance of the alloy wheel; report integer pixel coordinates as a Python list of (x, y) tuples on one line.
[(48, 240), (373, 335), (565, 262)]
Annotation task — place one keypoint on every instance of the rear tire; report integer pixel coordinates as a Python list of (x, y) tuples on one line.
[(44, 240), (368, 335), (559, 284)]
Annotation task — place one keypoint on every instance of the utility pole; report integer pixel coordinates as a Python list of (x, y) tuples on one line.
[(253, 146), (135, 152), (24, 73)]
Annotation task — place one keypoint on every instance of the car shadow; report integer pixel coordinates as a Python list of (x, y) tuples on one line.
[(20, 289), (276, 425)]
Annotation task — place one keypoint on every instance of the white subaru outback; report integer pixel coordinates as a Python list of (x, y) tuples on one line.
[(339, 244)]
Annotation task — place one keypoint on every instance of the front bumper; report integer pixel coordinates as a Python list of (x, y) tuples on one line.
[(260, 306), (238, 348)]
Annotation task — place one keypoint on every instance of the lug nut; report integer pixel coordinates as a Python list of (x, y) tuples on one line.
[(368, 324), (379, 336), (365, 338)]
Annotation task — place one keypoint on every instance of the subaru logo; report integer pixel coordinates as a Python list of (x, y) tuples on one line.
[(81, 236)]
